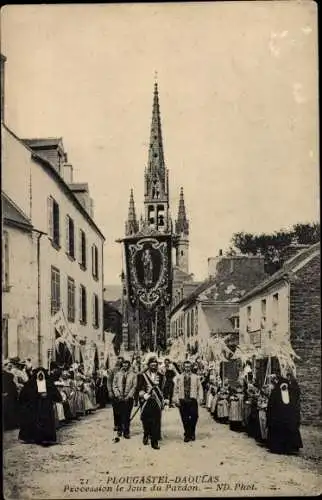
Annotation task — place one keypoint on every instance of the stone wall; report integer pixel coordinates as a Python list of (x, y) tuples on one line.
[(305, 322)]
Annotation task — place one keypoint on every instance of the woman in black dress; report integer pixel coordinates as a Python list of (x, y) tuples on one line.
[(283, 418), (37, 414)]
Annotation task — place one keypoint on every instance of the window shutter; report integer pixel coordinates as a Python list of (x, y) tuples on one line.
[(68, 298), (51, 290), (57, 223), (80, 304), (93, 309), (85, 305), (93, 269), (67, 234), (72, 236), (80, 247), (96, 261), (6, 259), (59, 304), (74, 302), (84, 250), (50, 216)]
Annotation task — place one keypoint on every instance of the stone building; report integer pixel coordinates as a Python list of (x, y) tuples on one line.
[(52, 250), (19, 282), (287, 307), (69, 272), (212, 307)]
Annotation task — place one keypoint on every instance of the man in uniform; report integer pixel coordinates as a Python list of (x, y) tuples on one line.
[(187, 393), (110, 378), (124, 385), (150, 387)]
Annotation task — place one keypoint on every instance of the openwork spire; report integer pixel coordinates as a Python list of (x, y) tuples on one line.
[(131, 225), (156, 156), (182, 223)]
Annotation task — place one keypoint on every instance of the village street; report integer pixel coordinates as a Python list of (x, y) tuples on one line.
[(87, 464)]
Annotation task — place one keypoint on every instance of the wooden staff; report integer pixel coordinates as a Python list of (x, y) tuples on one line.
[(155, 330)]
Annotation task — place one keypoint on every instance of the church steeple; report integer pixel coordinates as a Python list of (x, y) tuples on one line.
[(156, 156), (182, 223), (182, 232), (131, 225), (156, 183)]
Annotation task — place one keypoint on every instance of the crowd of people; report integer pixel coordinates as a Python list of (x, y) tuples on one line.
[(270, 415), (39, 401), (152, 385), (15, 373)]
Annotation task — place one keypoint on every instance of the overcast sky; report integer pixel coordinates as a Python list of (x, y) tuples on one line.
[(238, 98)]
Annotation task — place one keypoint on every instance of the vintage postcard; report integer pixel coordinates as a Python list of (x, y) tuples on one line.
[(160, 250)]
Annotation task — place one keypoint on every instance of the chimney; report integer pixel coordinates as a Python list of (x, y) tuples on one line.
[(67, 173), (213, 262), (81, 192)]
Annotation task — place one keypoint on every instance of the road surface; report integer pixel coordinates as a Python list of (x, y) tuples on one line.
[(87, 464)]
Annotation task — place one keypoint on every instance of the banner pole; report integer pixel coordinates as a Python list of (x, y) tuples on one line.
[(50, 357), (155, 330), (138, 330)]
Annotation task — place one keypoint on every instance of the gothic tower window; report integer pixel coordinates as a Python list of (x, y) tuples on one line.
[(151, 214), (156, 189), (160, 215)]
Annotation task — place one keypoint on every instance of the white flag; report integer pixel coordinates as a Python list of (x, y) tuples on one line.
[(60, 324)]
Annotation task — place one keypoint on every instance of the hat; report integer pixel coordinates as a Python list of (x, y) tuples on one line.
[(16, 359), (153, 359)]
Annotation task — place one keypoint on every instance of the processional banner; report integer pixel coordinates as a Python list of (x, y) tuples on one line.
[(88, 353), (61, 325), (149, 270)]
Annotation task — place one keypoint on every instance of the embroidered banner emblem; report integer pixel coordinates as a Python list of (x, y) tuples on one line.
[(148, 270)]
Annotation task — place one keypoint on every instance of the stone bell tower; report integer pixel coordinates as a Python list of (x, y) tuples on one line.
[(182, 233), (156, 179)]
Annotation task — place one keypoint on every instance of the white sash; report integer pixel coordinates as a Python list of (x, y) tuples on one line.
[(154, 390)]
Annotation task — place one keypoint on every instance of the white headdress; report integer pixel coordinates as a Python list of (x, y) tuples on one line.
[(41, 384), (284, 393)]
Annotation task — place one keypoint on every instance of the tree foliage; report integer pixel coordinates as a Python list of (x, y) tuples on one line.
[(273, 246)]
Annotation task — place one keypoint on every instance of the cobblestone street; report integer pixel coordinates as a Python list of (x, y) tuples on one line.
[(228, 463)]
